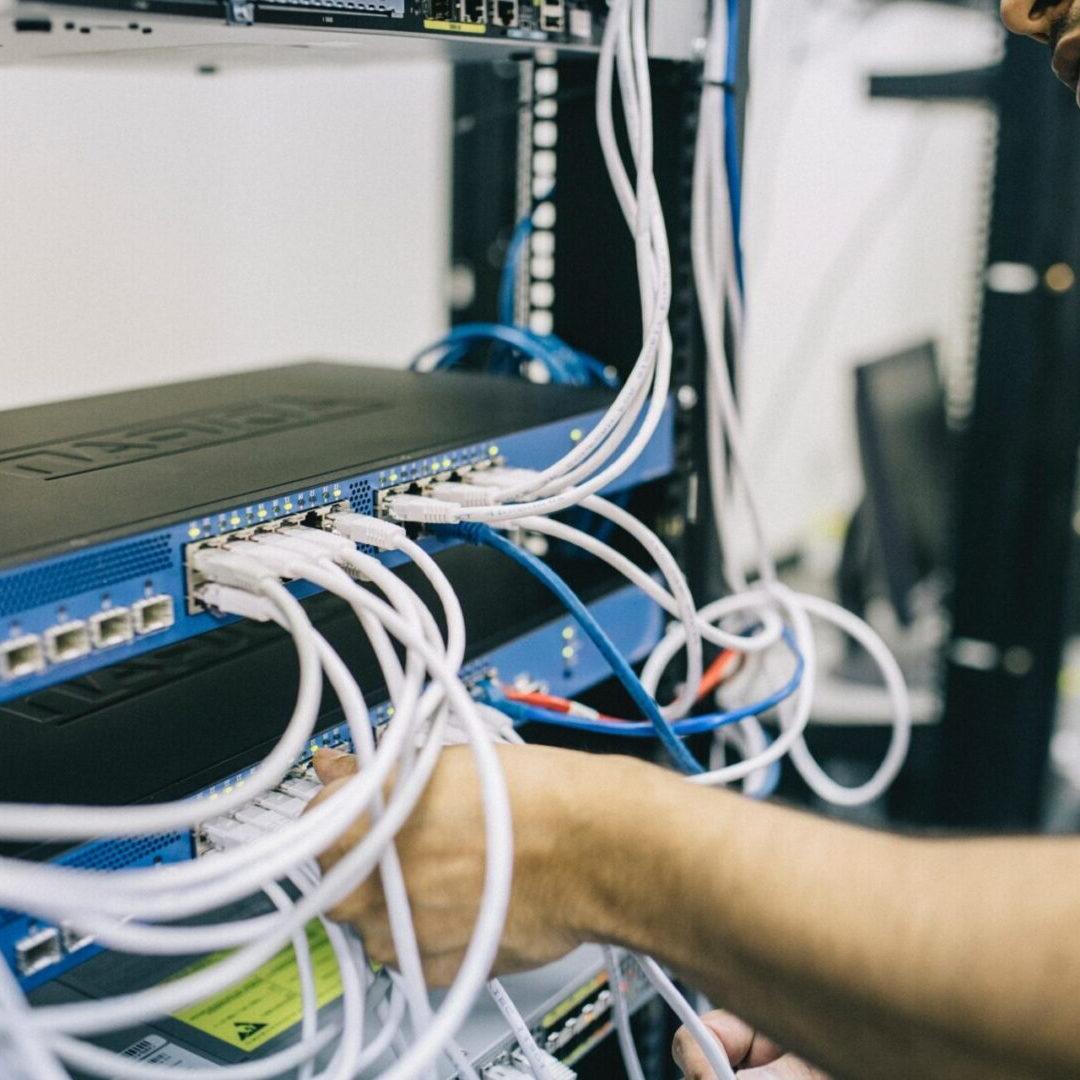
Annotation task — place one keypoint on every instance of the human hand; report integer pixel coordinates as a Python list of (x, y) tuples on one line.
[(441, 848), (755, 1056)]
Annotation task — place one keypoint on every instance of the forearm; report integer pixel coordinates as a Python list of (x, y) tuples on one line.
[(871, 954)]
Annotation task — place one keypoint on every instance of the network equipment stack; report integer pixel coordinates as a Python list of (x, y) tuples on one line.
[(118, 685), (112, 669)]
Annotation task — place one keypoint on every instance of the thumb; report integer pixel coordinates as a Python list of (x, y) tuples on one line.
[(787, 1067), (331, 765), (735, 1036)]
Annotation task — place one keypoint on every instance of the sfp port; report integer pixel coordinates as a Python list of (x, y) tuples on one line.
[(68, 641), (153, 614), (21, 656), (74, 939), (37, 951), (111, 627)]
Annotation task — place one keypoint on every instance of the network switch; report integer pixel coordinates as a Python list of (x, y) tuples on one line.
[(102, 517), (472, 29)]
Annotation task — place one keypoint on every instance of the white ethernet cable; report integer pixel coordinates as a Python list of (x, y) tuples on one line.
[(180, 877), (347, 676), (433, 1035), (766, 638), (620, 1012), (713, 246), (23, 1047), (748, 738), (319, 544), (543, 1065), (625, 35)]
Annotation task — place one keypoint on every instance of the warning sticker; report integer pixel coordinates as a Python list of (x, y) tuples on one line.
[(267, 1002)]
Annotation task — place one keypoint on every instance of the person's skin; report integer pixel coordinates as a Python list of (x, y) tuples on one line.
[(1054, 24), (872, 954)]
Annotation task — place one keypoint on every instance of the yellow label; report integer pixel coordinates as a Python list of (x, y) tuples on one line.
[(455, 27), (267, 1002)]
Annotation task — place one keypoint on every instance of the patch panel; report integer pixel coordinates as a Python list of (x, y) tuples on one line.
[(579, 1005), (110, 582), (573, 1027)]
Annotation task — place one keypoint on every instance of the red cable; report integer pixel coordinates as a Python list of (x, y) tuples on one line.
[(716, 673)]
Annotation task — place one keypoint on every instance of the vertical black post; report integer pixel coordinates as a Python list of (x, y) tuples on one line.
[(1019, 467), (484, 197)]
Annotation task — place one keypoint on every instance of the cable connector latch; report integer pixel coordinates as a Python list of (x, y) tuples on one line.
[(227, 566), (464, 494), (362, 529), (423, 511)]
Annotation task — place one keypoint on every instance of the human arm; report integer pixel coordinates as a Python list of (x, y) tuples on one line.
[(872, 955)]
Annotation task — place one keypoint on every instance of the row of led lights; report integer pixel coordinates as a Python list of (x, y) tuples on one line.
[(448, 463), (29, 654), (259, 514)]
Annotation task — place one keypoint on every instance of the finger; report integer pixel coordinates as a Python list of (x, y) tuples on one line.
[(329, 788), (730, 1032), (333, 764), (763, 1051), (787, 1067)]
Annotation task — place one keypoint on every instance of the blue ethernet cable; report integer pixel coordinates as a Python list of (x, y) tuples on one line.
[(508, 281), (772, 779), (479, 534), (565, 365), (695, 725)]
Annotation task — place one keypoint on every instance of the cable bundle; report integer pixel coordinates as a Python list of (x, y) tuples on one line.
[(125, 909), (137, 910)]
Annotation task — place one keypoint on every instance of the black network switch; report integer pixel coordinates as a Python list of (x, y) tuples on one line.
[(106, 497)]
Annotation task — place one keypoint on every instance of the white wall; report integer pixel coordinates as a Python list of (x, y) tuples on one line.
[(864, 230), (158, 226)]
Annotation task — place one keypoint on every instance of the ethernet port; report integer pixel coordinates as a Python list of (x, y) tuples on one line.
[(21, 656), (505, 12), (112, 627), (37, 951), (68, 641), (153, 614), (553, 15)]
